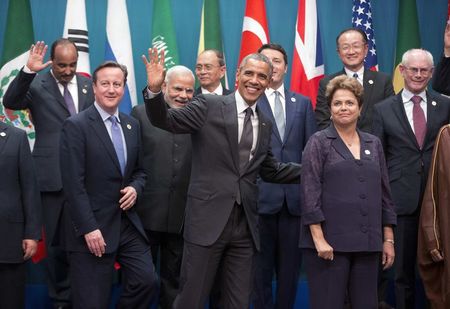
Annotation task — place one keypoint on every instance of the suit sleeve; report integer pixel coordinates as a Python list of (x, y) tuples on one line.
[(441, 81), (377, 126), (138, 176), (31, 200), (388, 87), (276, 172), (310, 126), (18, 95), (72, 152), (322, 111)]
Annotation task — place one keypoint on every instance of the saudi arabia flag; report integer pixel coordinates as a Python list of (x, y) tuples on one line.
[(17, 42), (163, 32)]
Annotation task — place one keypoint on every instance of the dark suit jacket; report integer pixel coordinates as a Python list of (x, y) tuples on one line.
[(167, 163), (199, 91), (40, 94), (300, 125), (377, 87), (20, 206), (407, 164), (441, 79), (92, 178), (351, 198), (215, 177)]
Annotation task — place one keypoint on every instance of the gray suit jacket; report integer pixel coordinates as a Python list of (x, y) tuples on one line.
[(215, 178)]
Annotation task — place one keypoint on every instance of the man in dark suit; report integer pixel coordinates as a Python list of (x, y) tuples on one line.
[(44, 95), (230, 148), (210, 69), (167, 163), (441, 81), (20, 214), (407, 125), (279, 205), (352, 48), (101, 157)]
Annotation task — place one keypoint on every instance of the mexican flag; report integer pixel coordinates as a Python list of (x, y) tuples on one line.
[(163, 32), (18, 39)]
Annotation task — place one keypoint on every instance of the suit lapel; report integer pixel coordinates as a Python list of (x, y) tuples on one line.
[(101, 131), (50, 85), (433, 110), (399, 112), (229, 113), (83, 88), (291, 106), (128, 132), (337, 143), (3, 136), (368, 85), (264, 106)]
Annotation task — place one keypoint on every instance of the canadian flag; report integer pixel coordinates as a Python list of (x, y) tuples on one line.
[(307, 63), (254, 29)]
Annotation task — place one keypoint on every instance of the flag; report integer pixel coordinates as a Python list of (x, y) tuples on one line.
[(75, 29), (255, 31), (118, 48), (210, 31), (163, 32), (307, 62), (408, 37), (17, 41), (362, 19)]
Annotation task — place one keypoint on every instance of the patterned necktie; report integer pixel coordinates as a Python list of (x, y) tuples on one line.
[(117, 141), (246, 142), (279, 115), (69, 101), (419, 121)]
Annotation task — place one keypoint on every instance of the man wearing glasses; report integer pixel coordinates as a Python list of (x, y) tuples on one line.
[(407, 125), (210, 69), (352, 48)]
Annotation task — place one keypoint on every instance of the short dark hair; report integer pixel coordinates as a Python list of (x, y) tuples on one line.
[(276, 47), (61, 41), (257, 57), (346, 83), (218, 54), (110, 64), (363, 34)]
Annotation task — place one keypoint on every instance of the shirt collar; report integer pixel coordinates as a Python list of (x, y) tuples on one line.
[(73, 81), (241, 105), (270, 91), (106, 115), (218, 90), (407, 95), (350, 73)]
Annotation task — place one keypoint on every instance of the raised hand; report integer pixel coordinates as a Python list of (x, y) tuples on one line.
[(36, 58), (154, 67)]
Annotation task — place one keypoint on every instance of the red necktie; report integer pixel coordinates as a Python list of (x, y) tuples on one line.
[(420, 124)]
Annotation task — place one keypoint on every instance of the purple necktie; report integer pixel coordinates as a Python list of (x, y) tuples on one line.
[(116, 137), (69, 101), (419, 121)]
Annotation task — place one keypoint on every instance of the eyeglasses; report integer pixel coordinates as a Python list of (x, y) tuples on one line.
[(356, 47), (206, 67), (421, 71)]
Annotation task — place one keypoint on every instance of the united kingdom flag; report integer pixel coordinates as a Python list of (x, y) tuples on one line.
[(362, 19)]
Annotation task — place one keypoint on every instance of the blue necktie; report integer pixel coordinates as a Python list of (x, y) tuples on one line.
[(117, 141), (279, 115)]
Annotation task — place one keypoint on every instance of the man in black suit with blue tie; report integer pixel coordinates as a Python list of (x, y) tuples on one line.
[(230, 148), (101, 157), (51, 97)]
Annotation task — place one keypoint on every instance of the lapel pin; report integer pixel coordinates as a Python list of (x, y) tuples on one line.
[(263, 124), (84, 90), (128, 126), (2, 134), (367, 152), (293, 99), (370, 81), (433, 103)]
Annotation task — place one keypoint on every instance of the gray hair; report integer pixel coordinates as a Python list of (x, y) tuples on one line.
[(177, 70), (411, 53), (257, 57)]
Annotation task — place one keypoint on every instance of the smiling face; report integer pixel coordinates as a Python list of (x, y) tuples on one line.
[(352, 50), (417, 71), (252, 79), (109, 88), (344, 108), (178, 90)]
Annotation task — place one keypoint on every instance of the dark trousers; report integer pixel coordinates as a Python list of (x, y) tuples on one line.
[(91, 276), (405, 265), (352, 273), (280, 253), (12, 285), (170, 249), (56, 263), (228, 261)]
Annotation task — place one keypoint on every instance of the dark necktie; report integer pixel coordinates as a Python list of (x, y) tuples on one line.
[(355, 75), (69, 101), (116, 137), (246, 142), (419, 121), (279, 115)]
